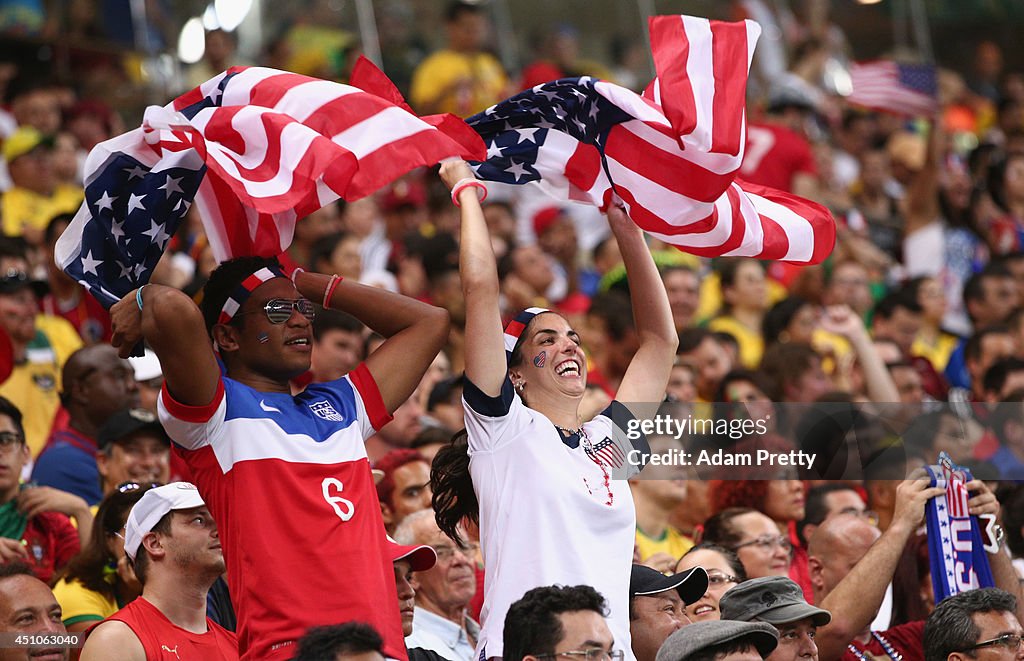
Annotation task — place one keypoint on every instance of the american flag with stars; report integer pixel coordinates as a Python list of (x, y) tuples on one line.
[(671, 156), (608, 452), (903, 89), (256, 149), (134, 202)]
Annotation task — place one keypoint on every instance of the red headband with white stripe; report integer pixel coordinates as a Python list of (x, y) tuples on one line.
[(516, 327), (245, 289)]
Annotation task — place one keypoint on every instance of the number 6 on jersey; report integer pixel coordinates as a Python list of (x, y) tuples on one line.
[(342, 506)]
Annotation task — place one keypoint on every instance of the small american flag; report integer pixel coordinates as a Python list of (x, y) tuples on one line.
[(608, 452), (256, 149), (671, 155), (904, 89)]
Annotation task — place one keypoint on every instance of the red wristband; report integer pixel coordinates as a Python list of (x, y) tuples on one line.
[(331, 286), (463, 184)]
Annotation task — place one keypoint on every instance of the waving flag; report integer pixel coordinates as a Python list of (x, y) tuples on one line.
[(904, 89), (256, 149), (670, 155)]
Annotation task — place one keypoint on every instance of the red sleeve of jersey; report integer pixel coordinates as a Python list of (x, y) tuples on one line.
[(368, 390), (66, 543), (193, 414)]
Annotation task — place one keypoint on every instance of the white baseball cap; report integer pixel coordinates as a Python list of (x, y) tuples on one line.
[(146, 367), (152, 507)]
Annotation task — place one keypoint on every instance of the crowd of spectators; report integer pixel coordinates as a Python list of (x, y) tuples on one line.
[(907, 342)]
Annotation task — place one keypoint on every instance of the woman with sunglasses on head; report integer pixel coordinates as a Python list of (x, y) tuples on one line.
[(99, 580), (725, 571), (286, 477), (538, 477)]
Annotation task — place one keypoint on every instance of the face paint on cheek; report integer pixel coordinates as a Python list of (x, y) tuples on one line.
[(263, 338), (540, 359)]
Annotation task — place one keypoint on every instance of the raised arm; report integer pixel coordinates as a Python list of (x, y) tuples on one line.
[(856, 599), (173, 326), (416, 331), (841, 320), (921, 203), (485, 345), (647, 375)]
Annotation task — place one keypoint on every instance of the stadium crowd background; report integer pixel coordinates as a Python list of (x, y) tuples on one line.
[(921, 304)]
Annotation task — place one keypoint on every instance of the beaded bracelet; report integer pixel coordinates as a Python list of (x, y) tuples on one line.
[(463, 184), (138, 295), (331, 286)]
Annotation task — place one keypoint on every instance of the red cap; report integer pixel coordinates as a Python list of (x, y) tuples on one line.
[(544, 219), (421, 557)]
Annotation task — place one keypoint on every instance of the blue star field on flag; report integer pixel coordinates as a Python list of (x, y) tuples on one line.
[(133, 213), (515, 129)]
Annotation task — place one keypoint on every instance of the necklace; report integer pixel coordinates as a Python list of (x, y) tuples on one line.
[(569, 432), (886, 645), (588, 447)]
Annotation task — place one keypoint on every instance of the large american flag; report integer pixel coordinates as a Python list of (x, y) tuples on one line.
[(257, 149), (904, 89), (671, 155)]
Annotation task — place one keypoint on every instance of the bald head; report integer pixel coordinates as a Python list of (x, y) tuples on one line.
[(835, 547), (95, 383)]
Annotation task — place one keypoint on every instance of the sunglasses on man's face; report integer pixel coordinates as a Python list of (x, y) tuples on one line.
[(279, 310)]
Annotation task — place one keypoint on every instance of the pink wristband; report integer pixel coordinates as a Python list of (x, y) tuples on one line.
[(463, 184), (295, 274), (331, 286)]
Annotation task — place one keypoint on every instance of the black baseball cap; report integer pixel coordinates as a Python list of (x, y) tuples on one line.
[(127, 422), (690, 584)]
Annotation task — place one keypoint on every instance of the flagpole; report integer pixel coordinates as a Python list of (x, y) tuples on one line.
[(368, 31), (922, 33), (646, 9)]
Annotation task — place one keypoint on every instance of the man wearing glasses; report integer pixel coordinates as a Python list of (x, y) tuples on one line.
[(559, 623), (286, 476), (442, 623), (978, 625), (29, 531)]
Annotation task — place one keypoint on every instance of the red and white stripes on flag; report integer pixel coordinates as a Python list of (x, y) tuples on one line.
[(671, 155), (609, 453), (278, 146), (903, 89)]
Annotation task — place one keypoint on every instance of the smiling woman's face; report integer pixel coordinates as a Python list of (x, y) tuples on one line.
[(719, 573)]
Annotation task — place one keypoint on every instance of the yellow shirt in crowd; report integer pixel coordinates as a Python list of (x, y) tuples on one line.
[(21, 208), (672, 542), (938, 353), (460, 83), (80, 604), (34, 386)]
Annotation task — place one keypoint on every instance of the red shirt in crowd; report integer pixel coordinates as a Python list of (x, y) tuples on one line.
[(165, 641), (906, 640), (774, 155), (51, 542)]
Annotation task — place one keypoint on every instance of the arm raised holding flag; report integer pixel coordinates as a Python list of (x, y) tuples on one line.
[(671, 155)]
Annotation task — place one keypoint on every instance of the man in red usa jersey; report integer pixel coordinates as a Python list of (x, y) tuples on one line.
[(286, 477)]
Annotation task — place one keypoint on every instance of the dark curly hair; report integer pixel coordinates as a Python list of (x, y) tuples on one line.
[(331, 641), (532, 625), (223, 281)]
